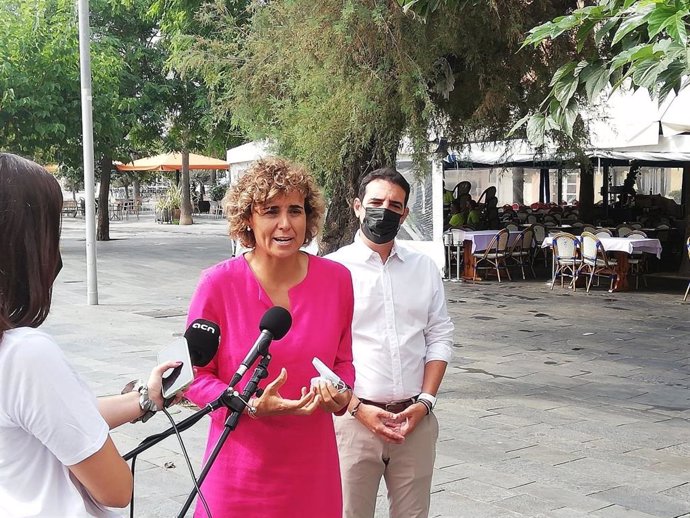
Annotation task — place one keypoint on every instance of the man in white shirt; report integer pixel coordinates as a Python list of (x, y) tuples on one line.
[(401, 345)]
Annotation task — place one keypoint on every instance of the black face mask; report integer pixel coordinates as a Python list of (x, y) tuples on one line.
[(380, 225)]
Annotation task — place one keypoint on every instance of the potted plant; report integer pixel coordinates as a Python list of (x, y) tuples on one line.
[(169, 204), (217, 192), (174, 201)]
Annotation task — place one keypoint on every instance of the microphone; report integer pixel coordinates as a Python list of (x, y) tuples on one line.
[(274, 325), (203, 337)]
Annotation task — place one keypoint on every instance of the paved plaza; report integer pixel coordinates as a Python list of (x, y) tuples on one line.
[(556, 404)]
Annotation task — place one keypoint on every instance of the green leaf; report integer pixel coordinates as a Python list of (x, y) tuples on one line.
[(660, 18), (627, 26), (624, 57), (675, 26), (561, 72), (580, 67), (519, 124), (565, 89), (596, 82), (643, 52), (564, 119), (536, 127), (540, 33), (605, 30), (646, 72), (583, 33)]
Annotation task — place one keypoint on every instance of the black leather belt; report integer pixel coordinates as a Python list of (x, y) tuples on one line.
[(394, 407)]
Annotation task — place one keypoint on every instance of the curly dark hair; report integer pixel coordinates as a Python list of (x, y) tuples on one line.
[(263, 181)]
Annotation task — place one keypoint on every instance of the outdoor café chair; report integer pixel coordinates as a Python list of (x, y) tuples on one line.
[(638, 260), (623, 230), (602, 232), (494, 257), (521, 251), (595, 261), (566, 259), (539, 232)]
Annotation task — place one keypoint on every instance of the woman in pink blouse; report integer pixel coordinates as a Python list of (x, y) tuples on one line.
[(283, 463)]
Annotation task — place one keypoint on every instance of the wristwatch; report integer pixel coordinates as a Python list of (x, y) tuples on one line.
[(428, 398), (148, 407)]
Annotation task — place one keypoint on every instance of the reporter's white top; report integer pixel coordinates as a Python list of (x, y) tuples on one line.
[(400, 320), (48, 421)]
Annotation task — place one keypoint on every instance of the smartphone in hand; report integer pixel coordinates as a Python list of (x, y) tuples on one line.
[(181, 376)]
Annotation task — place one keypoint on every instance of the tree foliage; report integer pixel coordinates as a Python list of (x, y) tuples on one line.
[(641, 43), (39, 79), (40, 106), (337, 84)]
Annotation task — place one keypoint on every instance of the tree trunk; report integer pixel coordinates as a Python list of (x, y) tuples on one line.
[(586, 196), (214, 179), (137, 188), (341, 224), (103, 223), (186, 208)]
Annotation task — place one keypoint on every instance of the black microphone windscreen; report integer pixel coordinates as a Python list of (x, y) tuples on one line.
[(276, 321), (203, 337)]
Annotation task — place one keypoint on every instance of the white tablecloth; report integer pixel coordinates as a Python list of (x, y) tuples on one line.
[(480, 238), (623, 244)]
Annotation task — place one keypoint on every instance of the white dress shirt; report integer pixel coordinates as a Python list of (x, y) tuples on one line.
[(400, 320)]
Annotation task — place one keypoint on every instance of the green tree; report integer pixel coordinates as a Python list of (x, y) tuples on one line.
[(40, 113), (129, 88), (39, 79), (337, 84), (191, 126), (618, 43)]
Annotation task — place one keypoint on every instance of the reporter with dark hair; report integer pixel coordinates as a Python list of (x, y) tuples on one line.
[(56, 456)]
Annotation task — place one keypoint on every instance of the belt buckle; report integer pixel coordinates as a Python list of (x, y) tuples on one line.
[(390, 406)]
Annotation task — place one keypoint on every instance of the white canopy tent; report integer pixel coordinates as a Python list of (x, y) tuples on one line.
[(241, 157)]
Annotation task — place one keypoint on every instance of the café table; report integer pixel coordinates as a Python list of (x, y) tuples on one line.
[(476, 241)]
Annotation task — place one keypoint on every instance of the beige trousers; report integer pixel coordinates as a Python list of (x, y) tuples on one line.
[(407, 468)]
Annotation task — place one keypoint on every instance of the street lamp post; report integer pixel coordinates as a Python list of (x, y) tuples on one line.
[(87, 135)]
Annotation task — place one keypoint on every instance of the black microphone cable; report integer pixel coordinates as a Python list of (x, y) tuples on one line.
[(189, 467), (189, 464)]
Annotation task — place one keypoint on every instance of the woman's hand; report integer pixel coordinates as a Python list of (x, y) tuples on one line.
[(331, 399), (272, 403), (155, 384)]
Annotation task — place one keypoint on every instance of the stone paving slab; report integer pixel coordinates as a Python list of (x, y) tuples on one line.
[(556, 404)]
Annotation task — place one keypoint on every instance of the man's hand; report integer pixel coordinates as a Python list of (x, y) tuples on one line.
[(410, 417), (272, 403), (380, 422)]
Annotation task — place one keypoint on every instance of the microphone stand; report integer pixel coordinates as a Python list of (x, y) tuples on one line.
[(237, 405), (230, 399)]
